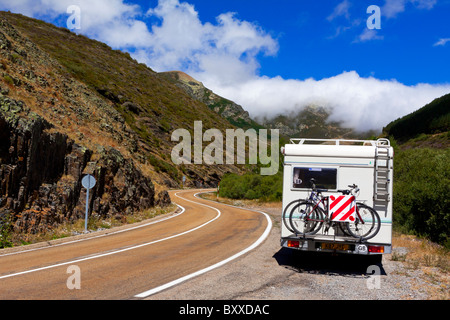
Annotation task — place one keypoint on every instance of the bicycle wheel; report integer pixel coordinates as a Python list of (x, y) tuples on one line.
[(286, 214), (305, 219), (369, 227), (343, 226)]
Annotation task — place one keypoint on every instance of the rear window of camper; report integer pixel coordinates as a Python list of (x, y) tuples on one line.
[(325, 178)]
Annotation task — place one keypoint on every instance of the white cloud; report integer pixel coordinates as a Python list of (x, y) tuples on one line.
[(111, 21), (224, 56), (424, 4), (367, 35), (182, 41), (361, 103), (442, 42), (342, 9), (392, 8)]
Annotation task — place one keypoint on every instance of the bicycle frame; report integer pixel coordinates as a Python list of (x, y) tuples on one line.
[(323, 201)]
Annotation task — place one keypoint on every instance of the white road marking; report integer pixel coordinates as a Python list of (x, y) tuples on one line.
[(94, 237), (172, 283), (217, 265), (116, 251)]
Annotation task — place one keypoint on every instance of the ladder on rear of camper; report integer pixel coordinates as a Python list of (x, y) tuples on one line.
[(382, 172)]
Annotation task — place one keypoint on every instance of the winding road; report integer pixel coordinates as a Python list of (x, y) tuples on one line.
[(136, 262)]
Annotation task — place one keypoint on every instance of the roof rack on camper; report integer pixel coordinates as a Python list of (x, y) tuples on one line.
[(337, 142)]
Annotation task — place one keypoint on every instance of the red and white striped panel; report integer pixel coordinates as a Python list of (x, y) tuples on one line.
[(342, 208)]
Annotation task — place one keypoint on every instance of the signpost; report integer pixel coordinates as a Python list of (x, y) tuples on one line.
[(88, 182)]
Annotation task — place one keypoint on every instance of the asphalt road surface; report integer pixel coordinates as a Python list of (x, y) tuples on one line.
[(134, 262)]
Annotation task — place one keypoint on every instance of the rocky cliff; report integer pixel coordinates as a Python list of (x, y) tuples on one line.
[(41, 172)]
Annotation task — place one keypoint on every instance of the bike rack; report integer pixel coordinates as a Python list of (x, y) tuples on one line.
[(326, 237)]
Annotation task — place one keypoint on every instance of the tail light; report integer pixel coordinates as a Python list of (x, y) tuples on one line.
[(293, 244), (376, 249)]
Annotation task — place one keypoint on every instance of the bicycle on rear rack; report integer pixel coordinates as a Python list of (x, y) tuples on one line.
[(306, 215), (314, 196), (354, 219)]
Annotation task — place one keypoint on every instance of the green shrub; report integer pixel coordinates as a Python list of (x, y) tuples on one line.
[(421, 193), (252, 186), (162, 166), (9, 80)]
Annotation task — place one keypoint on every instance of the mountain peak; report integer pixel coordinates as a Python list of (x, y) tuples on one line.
[(228, 109), (184, 77)]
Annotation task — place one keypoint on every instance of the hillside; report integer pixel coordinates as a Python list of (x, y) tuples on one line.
[(150, 106), (228, 109), (427, 126), (422, 171), (70, 106)]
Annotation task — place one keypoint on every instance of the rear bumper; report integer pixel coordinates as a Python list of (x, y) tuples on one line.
[(346, 246)]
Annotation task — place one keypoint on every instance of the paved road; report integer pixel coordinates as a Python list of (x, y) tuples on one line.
[(127, 264)]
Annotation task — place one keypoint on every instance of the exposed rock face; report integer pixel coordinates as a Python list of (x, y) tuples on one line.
[(163, 199), (41, 172)]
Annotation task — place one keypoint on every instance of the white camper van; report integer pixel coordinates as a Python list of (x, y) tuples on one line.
[(320, 171)]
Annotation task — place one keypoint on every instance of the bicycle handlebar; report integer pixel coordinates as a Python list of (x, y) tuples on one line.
[(353, 189)]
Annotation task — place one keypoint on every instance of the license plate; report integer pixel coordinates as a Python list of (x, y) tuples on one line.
[(335, 246)]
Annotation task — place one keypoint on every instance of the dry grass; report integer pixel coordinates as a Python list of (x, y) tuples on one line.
[(95, 223), (421, 252), (432, 260)]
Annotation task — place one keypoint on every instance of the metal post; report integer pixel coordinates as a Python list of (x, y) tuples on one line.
[(87, 209), (88, 182)]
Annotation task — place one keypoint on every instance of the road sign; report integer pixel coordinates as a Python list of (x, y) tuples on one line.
[(88, 182)]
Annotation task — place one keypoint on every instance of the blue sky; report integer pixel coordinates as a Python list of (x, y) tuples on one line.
[(310, 45), (279, 56)]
